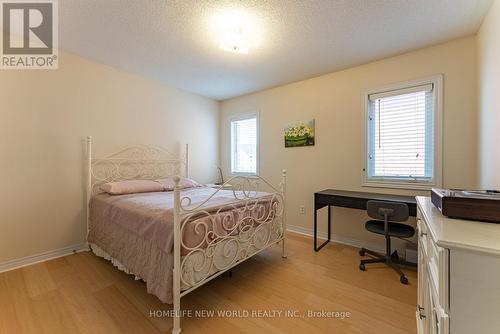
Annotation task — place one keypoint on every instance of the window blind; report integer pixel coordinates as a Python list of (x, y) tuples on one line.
[(401, 135), (244, 145)]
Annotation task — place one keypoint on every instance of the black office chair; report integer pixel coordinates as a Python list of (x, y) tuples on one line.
[(387, 215)]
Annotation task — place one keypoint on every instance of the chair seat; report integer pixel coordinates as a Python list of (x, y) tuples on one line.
[(394, 229)]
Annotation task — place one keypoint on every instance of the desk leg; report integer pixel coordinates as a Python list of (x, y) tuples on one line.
[(316, 247), (315, 229), (329, 222)]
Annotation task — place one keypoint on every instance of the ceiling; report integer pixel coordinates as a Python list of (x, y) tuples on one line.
[(171, 40)]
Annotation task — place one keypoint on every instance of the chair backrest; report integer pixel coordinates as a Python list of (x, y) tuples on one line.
[(396, 212)]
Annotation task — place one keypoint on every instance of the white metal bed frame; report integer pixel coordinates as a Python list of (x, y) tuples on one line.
[(256, 230)]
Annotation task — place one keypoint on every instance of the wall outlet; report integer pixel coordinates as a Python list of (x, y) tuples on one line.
[(302, 210)]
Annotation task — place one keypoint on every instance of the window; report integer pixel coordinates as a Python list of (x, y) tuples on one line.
[(244, 141), (403, 135)]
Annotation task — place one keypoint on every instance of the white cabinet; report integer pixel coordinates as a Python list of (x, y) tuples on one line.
[(423, 296), (458, 274), (432, 304)]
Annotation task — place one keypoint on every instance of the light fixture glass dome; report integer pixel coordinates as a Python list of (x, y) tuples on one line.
[(235, 30)]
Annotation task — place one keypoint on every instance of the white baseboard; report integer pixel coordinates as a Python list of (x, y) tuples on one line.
[(32, 259), (41, 257), (336, 238)]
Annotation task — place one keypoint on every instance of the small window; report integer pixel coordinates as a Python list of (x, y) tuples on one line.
[(403, 132), (244, 142)]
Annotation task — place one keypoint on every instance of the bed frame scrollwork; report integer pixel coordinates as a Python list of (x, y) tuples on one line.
[(225, 234)]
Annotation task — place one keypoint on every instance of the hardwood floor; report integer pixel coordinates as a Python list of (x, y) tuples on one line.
[(82, 293)]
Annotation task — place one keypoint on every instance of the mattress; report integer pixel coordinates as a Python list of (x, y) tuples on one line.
[(135, 232)]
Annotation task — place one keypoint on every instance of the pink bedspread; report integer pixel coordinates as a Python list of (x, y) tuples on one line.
[(137, 229), (151, 215)]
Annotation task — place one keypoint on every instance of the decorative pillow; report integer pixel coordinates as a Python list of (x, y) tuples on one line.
[(131, 187), (169, 184)]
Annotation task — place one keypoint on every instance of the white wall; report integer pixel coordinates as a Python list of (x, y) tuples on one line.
[(336, 102), (489, 104), (44, 117)]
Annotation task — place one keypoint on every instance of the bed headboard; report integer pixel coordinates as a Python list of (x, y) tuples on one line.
[(135, 162)]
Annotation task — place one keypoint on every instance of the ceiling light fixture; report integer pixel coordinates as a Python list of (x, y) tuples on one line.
[(235, 30), (235, 40)]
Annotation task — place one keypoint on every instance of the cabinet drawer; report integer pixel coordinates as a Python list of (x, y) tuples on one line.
[(422, 234), (434, 253), (421, 324), (439, 319), (435, 259), (437, 264)]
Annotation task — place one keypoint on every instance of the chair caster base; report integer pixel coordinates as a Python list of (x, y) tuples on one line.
[(403, 279), (362, 267), (361, 252)]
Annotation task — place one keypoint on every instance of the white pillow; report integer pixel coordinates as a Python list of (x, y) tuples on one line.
[(169, 184), (131, 187)]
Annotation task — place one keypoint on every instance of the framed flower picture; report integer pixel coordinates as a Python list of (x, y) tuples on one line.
[(299, 134)]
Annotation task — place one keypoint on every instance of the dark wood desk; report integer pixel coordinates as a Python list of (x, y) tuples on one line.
[(353, 200)]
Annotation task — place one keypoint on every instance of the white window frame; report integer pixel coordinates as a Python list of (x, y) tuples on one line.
[(241, 117), (436, 181)]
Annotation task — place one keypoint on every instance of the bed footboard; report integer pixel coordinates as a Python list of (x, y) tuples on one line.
[(208, 241)]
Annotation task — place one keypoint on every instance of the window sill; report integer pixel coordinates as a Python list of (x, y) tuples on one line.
[(399, 185), (243, 174)]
